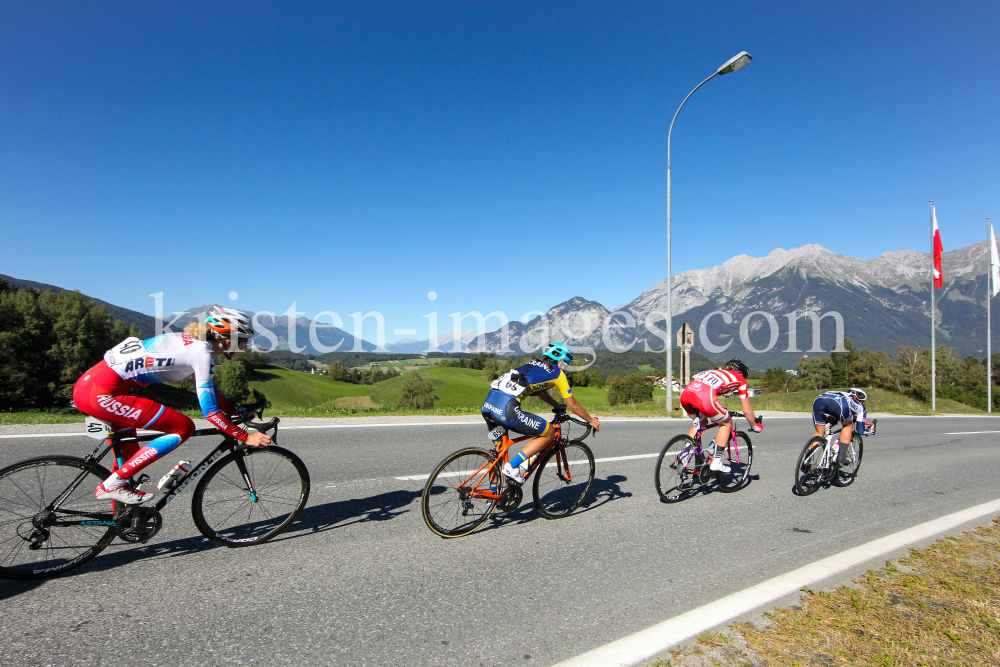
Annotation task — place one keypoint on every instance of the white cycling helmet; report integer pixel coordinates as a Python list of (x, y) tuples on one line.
[(228, 321), (859, 394)]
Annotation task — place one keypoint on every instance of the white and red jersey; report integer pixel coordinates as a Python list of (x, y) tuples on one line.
[(170, 358), (721, 382)]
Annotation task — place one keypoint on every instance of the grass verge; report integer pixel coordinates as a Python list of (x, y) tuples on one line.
[(879, 400), (937, 606)]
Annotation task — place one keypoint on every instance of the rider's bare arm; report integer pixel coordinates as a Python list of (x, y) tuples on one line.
[(748, 411), (575, 406)]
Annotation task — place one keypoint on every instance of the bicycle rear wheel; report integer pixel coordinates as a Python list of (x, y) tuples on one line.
[(848, 471), (808, 470), (228, 513), (676, 469), (739, 458), (563, 479), (451, 504), (36, 541)]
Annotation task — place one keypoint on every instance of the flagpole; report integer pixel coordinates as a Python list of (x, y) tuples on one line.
[(989, 335), (933, 341)]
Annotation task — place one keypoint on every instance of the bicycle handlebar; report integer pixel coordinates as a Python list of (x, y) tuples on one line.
[(254, 410), (562, 417), (759, 418)]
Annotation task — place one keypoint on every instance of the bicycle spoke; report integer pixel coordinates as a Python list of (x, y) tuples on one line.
[(54, 541), (226, 510)]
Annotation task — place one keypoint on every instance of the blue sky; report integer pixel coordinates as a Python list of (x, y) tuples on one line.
[(507, 155)]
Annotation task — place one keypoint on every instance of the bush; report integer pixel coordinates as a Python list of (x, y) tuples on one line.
[(417, 393), (775, 379), (633, 388)]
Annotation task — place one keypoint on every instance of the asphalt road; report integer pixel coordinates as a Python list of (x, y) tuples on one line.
[(360, 580)]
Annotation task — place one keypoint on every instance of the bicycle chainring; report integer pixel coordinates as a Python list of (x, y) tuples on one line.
[(137, 524), (510, 499)]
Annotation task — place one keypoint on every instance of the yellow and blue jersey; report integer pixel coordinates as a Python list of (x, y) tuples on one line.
[(541, 375)]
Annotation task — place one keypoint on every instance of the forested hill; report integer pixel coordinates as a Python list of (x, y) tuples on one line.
[(144, 323)]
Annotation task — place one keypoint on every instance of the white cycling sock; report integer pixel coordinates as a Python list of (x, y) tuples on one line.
[(113, 482)]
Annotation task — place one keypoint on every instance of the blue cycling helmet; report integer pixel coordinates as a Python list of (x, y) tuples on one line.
[(558, 352)]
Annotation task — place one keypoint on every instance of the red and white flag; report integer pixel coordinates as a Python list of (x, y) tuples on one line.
[(938, 276), (994, 263)]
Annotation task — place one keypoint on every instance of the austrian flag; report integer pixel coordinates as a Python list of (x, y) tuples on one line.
[(938, 249)]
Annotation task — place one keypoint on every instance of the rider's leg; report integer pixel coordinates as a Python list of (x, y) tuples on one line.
[(176, 427), (846, 434), (721, 441), (528, 424)]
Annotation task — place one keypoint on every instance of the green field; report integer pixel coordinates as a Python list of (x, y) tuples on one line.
[(459, 391)]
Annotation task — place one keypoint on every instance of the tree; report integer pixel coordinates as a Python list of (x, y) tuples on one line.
[(840, 363), (47, 341), (233, 380), (775, 379), (417, 393), (815, 373), (633, 388), (338, 371)]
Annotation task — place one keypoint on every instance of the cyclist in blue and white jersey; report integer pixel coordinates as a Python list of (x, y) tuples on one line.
[(503, 404), (847, 407)]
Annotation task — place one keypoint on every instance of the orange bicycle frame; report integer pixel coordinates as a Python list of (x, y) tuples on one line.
[(485, 471)]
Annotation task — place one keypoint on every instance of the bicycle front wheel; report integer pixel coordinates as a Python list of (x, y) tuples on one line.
[(42, 538), (675, 469), (453, 504), (739, 458), (563, 479), (808, 469), (848, 471), (250, 496)]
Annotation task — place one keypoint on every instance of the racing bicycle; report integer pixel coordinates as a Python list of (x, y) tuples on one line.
[(683, 464), (468, 485), (819, 463), (50, 521)]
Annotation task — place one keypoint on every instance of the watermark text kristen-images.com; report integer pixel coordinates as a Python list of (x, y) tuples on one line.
[(614, 331)]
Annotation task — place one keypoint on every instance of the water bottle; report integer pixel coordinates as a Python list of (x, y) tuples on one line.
[(169, 481)]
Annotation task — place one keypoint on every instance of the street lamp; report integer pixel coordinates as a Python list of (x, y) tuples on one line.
[(734, 64)]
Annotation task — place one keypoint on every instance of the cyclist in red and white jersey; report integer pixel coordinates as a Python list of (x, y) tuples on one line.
[(700, 401), (103, 392)]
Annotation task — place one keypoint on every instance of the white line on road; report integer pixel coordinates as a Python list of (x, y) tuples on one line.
[(477, 422), (647, 644), (421, 478), (971, 432)]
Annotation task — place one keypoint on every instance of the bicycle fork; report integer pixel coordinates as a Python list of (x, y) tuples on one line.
[(241, 465)]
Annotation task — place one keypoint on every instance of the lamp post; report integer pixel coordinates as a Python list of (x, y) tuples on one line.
[(734, 64)]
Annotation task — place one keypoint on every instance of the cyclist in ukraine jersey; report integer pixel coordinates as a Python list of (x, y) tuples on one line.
[(103, 392), (535, 378), (700, 402)]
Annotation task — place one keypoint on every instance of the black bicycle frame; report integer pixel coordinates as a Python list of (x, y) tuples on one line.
[(228, 445)]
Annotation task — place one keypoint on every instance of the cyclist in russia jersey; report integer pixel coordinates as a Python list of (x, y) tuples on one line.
[(104, 392), (171, 358)]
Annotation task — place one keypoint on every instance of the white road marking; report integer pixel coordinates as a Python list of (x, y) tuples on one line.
[(63, 435), (477, 422), (647, 644), (971, 432), (421, 478)]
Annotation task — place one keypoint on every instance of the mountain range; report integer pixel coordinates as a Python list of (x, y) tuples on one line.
[(882, 302)]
